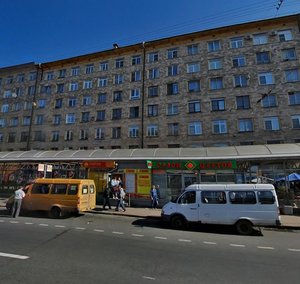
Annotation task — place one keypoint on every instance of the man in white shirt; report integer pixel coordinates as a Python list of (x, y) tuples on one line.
[(19, 195)]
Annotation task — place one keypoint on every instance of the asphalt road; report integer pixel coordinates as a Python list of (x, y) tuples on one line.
[(108, 249)]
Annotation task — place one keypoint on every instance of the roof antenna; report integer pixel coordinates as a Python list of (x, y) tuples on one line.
[(278, 6)]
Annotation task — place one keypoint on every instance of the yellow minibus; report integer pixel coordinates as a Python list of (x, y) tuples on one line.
[(58, 196)]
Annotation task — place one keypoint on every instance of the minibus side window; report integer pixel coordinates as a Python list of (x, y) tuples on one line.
[(213, 197), (187, 198), (92, 188), (40, 188), (84, 189), (59, 189), (73, 189), (242, 197), (266, 197)]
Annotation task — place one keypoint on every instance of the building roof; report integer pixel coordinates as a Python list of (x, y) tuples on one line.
[(251, 152)]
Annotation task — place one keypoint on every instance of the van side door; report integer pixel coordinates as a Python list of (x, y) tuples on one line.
[(188, 206)]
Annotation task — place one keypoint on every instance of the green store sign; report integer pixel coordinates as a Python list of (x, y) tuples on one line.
[(192, 165)]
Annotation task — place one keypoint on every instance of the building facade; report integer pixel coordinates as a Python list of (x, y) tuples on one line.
[(228, 86)]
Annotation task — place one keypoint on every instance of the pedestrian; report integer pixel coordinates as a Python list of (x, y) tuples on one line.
[(19, 195), (114, 187), (121, 196), (154, 197), (106, 196)]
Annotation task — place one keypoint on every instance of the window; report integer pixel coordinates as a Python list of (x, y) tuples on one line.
[(100, 115), (62, 73), (59, 189), (213, 45), (136, 60), (31, 90), (14, 121), (2, 122), (260, 39), (288, 54), (291, 75), (153, 91), (266, 78), (269, 101), (239, 61), (195, 128), (172, 53), (11, 137), (73, 86), (101, 98), (153, 57), (153, 73), (135, 94), (5, 108), (245, 125), (103, 66), (119, 62), (20, 78), (172, 109), (87, 100), (68, 135), (192, 49), (214, 64), (39, 119), (72, 102), (213, 197), (39, 136), (117, 96), (32, 76), (55, 136), (56, 119), (217, 104), (194, 106), (89, 69), (116, 113), (194, 86), (236, 42), (119, 79), (242, 197), (46, 89), (85, 116), (26, 120), (7, 94), (216, 83), (193, 67), (285, 35), (134, 112), (24, 137), (60, 88), (219, 126), (271, 123), (173, 129), (83, 134), (87, 84), (152, 110), (265, 197), (41, 188), (49, 76), (136, 76), (173, 70), (133, 131), (75, 71), (70, 118), (172, 89), (152, 130), (116, 132), (99, 133), (243, 102), (240, 81), (58, 103), (262, 57), (296, 121), (294, 98)]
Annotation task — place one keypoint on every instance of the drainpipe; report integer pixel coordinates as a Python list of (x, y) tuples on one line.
[(143, 94), (38, 68)]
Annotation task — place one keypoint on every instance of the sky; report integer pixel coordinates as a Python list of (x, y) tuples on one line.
[(41, 30)]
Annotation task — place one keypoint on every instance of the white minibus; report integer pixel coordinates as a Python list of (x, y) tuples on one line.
[(241, 205)]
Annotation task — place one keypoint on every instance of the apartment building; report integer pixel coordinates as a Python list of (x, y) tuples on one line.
[(228, 86)]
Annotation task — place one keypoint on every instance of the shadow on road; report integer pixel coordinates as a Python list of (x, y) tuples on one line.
[(201, 228)]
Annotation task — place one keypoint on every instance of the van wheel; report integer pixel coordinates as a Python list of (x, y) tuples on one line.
[(178, 222), (55, 212), (244, 227)]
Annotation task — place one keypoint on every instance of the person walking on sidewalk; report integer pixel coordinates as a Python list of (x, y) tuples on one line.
[(154, 197), (19, 195), (106, 196), (121, 195)]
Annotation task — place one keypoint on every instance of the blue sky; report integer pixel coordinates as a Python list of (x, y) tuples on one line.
[(43, 30)]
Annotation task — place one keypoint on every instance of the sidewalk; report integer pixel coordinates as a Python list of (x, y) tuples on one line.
[(287, 221)]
